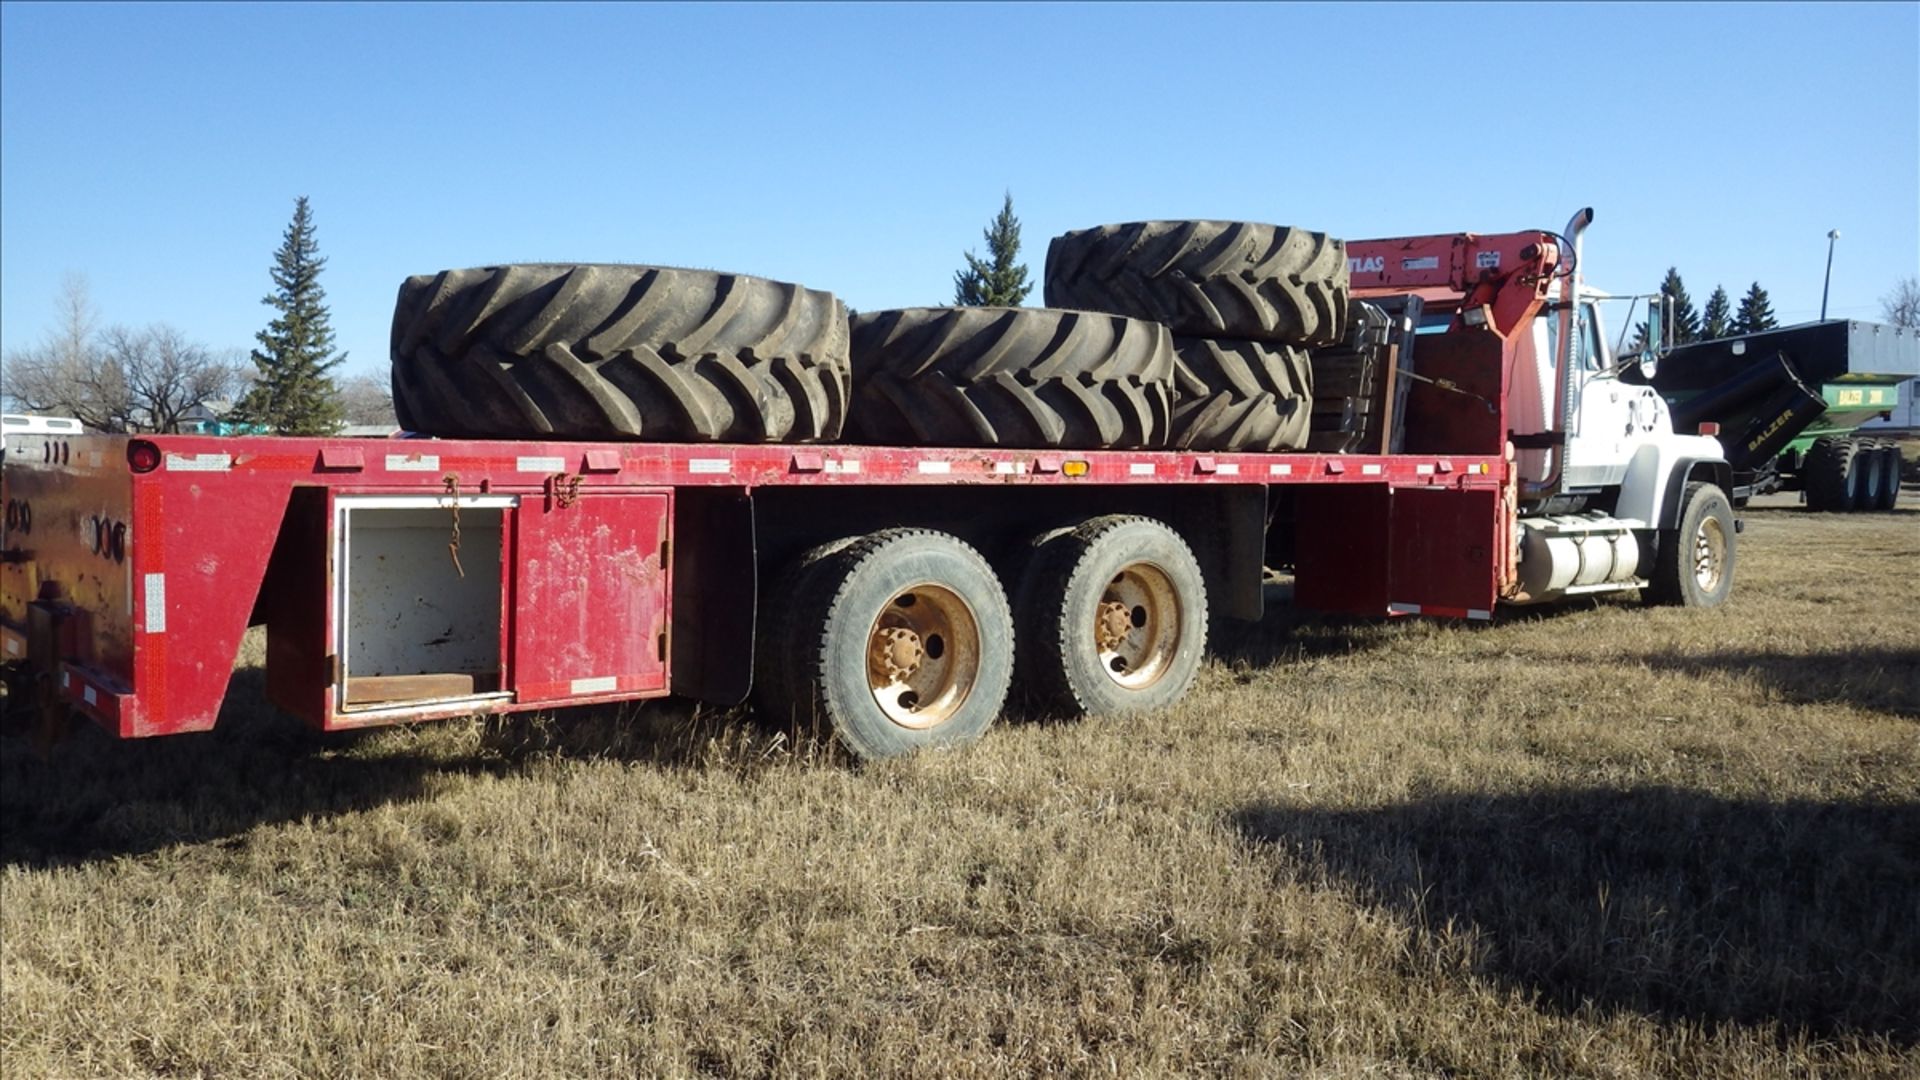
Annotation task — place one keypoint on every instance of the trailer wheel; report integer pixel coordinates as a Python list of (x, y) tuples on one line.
[(609, 351), (1241, 396), (904, 640), (1231, 279), (1011, 377), (1113, 617), (1890, 462), (1693, 564), (1868, 476), (1832, 483)]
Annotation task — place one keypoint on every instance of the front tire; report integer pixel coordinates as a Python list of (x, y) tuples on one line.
[(1693, 566)]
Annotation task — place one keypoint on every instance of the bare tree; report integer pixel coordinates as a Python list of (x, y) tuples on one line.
[(1901, 307), (66, 373), (167, 376), (367, 399), (120, 379)]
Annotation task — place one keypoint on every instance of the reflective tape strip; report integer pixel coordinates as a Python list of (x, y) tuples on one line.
[(936, 468), (711, 466), (1005, 468), (850, 468), (541, 464), (199, 462), (13, 647), (602, 685), (1140, 468), (1423, 470), (1476, 613), (1403, 609), (87, 695), (1229, 468), (66, 680), (156, 598), (413, 462), (1280, 470), (1369, 470)]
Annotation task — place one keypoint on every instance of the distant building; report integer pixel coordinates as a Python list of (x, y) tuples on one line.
[(1907, 414), (209, 418)]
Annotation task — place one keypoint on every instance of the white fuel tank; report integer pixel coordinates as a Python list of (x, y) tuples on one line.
[(1566, 555)]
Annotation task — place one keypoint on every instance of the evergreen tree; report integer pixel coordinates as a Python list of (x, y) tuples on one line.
[(1756, 313), (997, 281), (293, 394), (1686, 321), (1717, 321)]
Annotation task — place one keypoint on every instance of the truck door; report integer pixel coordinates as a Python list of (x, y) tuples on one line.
[(590, 597), (1604, 422)]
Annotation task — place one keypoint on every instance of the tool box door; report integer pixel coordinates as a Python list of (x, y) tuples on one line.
[(590, 597), (1444, 553)]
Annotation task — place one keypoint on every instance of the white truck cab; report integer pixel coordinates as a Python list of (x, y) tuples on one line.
[(14, 425), (1622, 501)]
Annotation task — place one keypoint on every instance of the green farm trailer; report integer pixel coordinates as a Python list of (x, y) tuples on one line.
[(1789, 404)]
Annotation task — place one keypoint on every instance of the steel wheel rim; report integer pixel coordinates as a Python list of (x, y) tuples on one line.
[(1709, 554), (923, 655), (1136, 626)]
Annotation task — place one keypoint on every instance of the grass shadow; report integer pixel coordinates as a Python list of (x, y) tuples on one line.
[(1884, 680), (1666, 902), (664, 732), (1288, 634), (91, 796)]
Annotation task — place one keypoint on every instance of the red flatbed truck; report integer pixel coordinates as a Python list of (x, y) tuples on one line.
[(408, 579)]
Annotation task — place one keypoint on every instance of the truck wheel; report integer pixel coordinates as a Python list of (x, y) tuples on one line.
[(1230, 279), (1240, 395), (608, 351), (904, 641), (1012, 377), (1829, 475), (777, 625), (1693, 565), (1113, 618)]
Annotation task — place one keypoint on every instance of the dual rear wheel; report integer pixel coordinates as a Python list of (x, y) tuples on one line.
[(906, 639)]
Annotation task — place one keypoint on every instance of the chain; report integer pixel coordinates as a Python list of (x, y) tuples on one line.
[(563, 489), (1450, 386), (453, 497)]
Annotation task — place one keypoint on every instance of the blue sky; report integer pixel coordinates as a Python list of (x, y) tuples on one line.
[(158, 149)]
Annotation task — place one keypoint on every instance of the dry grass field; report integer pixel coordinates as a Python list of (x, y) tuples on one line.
[(1602, 841)]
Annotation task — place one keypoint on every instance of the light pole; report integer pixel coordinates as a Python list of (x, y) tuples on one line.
[(1832, 235)]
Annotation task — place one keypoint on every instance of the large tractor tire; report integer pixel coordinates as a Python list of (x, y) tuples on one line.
[(1693, 564), (1241, 396), (902, 641), (1011, 377), (1112, 617), (611, 351), (1869, 477), (1832, 482), (1890, 463), (1225, 279)]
